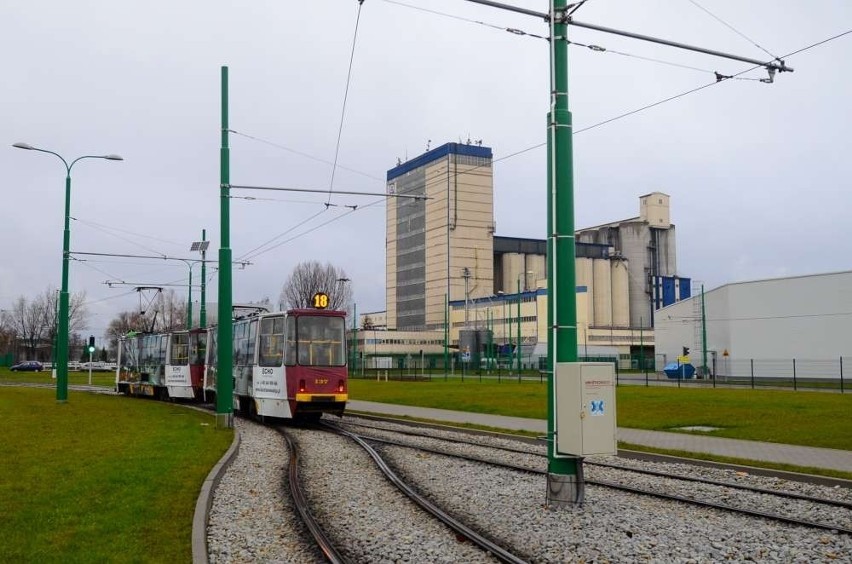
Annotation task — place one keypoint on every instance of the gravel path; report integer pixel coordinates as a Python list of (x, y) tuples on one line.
[(252, 519)]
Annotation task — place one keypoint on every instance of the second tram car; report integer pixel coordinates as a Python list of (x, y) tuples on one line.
[(162, 365)]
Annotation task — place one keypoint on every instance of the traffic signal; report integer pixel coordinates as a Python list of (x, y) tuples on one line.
[(91, 344), (685, 351)]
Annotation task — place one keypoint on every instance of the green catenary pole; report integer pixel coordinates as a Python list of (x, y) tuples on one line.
[(518, 347), (202, 315), (446, 337), (354, 337), (189, 301), (561, 276), (224, 368), (703, 335)]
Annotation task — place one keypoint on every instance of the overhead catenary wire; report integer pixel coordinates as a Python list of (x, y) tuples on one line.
[(732, 28), (345, 98), (303, 154), (248, 255), (125, 239), (512, 30), (588, 128)]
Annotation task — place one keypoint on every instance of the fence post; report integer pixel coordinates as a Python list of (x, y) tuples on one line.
[(752, 373), (794, 375)]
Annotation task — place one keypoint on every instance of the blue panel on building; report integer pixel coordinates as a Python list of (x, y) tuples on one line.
[(437, 153), (685, 288), (668, 291)]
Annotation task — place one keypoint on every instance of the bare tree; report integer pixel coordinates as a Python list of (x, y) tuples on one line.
[(35, 322), (121, 325), (77, 312), (172, 312), (7, 333), (311, 277)]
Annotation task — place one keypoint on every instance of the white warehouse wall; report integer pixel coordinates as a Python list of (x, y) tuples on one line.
[(803, 317)]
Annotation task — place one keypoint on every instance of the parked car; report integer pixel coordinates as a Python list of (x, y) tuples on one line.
[(27, 366)]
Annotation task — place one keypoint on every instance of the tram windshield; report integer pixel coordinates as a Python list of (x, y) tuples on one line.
[(320, 340)]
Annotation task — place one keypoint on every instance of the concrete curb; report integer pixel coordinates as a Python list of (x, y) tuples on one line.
[(205, 501)]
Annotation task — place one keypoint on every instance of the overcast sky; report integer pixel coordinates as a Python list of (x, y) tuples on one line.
[(759, 174)]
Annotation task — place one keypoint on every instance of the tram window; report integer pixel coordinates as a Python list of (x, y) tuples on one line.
[(240, 344), (290, 344), (271, 351), (211, 350), (198, 348), (179, 352), (251, 340)]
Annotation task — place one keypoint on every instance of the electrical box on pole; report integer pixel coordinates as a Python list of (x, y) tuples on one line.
[(585, 408)]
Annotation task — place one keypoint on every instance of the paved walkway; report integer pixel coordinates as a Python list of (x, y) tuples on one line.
[(826, 458)]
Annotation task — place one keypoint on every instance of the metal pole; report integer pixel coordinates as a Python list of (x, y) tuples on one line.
[(224, 344), (794, 375), (505, 332), (752, 373), (841, 374), (62, 337), (642, 349), (518, 347), (202, 319), (189, 301), (564, 473), (354, 338), (446, 337), (90, 366), (703, 335)]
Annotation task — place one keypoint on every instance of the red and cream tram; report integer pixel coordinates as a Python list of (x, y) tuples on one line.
[(289, 365)]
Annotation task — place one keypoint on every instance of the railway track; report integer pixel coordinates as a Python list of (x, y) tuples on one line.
[(655, 491), (497, 551), (647, 472), (329, 550)]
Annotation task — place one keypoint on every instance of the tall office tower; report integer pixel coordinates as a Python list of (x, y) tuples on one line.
[(440, 244)]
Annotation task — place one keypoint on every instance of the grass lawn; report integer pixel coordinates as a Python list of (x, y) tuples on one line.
[(797, 418), (105, 379), (100, 478)]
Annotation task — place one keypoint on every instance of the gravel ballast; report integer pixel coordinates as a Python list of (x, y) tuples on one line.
[(252, 519)]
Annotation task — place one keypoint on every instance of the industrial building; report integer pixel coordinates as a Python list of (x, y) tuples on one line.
[(433, 240), (446, 267), (808, 318)]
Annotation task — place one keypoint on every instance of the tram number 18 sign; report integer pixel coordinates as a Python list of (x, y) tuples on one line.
[(320, 300)]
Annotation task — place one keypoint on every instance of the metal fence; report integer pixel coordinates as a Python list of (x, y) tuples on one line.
[(792, 373)]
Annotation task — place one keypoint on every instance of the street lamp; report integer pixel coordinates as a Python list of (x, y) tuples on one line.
[(518, 348), (354, 361), (62, 338)]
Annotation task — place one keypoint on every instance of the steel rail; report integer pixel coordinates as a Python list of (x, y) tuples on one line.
[(639, 491), (492, 548), (732, 485), (323, 542)]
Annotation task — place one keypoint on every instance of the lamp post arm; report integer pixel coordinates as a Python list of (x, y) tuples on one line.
[(57, 155), (81, 158)]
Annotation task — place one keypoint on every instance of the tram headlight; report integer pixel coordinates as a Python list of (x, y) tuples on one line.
[(302, 385), (340, 387)]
